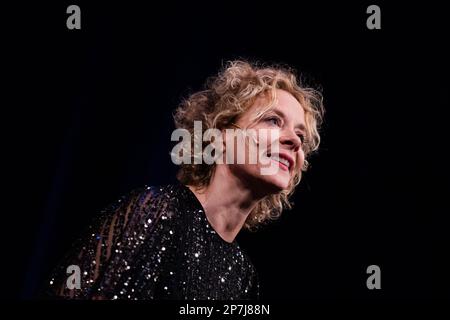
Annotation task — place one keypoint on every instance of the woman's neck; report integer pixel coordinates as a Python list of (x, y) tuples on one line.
[(227, 203)]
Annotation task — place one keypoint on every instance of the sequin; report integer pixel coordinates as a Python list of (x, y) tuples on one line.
[(158, 230)]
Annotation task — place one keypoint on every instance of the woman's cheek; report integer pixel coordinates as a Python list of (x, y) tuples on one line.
[(300, 159)]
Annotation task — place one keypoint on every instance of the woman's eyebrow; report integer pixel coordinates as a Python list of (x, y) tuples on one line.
[(301, 126)]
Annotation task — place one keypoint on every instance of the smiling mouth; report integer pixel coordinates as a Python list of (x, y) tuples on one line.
[(284, 163)]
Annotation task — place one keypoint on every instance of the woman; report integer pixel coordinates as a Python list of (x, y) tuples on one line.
[(178, 241)]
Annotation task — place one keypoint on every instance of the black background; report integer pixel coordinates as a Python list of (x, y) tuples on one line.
[(87, 118)]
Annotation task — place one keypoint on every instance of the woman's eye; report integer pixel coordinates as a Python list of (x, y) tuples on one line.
[(273, 120), (302, 137)]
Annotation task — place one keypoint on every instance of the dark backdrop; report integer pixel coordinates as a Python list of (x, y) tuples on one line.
[(92, 120)]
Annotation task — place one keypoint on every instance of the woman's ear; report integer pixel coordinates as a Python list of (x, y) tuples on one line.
[(224, 138), (224, 145)]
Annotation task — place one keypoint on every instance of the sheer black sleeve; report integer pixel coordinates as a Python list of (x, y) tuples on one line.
[(105, 253)]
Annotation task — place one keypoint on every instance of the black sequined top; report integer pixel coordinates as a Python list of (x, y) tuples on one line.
[(156, 243)]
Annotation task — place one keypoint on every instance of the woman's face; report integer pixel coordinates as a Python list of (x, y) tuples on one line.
[(283, 145)]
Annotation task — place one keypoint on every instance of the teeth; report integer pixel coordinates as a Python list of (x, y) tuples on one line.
[(282, 160)]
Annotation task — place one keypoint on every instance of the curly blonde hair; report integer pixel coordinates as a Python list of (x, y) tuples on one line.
[(227, 96)]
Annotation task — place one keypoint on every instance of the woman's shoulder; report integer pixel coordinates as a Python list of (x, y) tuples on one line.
[(155, 194), (156, 198)]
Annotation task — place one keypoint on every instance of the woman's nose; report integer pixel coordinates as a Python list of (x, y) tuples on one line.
[(290, 139)]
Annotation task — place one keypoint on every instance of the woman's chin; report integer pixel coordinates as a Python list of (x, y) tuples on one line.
[(265, 183), (276, 183)]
